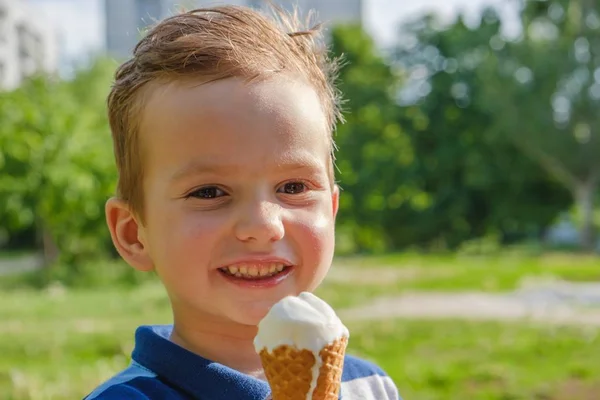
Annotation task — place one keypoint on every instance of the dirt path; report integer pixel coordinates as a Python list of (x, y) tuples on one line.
[(472, 306), (19, 264), (557, 302)]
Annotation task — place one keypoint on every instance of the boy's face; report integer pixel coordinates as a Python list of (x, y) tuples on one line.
[(237, 178)]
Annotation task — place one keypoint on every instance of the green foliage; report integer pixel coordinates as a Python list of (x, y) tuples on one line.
[(438, 172), (56, 161), (544, 91), (431, 172), (376, 153), (482, 184)]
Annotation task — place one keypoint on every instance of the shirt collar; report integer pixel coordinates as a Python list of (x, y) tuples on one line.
[(197, 376)]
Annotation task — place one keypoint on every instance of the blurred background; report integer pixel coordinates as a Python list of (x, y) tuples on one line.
[(468, 261)]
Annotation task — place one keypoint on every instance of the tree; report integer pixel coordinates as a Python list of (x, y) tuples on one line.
[(545, 92), (478, 182), (56, 161), (375, 150)]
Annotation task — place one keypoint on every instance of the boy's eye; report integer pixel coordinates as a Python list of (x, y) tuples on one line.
[(209, 192), (293, 188)]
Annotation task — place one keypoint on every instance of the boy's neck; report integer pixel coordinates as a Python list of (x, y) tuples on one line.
[(232, 346)]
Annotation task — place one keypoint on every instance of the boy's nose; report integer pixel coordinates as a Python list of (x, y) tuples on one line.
[(260, 222)]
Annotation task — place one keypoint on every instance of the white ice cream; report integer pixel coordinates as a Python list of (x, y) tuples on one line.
[(303, 322)]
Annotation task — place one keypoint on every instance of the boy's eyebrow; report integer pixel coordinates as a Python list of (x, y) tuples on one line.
[(198, 167)]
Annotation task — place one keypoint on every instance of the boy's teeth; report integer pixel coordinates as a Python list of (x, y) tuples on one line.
[(254, 271)]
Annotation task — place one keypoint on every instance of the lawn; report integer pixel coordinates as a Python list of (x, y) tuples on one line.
[(442, 360), (397, 273), (499, 272), (58, 343)]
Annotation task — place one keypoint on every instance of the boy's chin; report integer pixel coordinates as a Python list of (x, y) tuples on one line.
[(254, 313)]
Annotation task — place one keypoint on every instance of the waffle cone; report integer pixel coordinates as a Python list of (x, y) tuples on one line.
[(289, 371)]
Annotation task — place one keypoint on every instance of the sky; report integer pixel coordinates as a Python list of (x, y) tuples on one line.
[(81, 28)]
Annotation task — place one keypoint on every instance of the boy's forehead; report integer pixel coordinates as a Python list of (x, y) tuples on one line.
[(208, 115), (279, 94), (281, 98)]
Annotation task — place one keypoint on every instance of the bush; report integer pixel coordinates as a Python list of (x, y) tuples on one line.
[(57, 163)]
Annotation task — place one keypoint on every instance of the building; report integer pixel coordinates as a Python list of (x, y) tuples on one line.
[(327, 11), (126, 19), (28, 45)]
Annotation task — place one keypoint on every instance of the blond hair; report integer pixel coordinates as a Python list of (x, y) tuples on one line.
[(211, 44)]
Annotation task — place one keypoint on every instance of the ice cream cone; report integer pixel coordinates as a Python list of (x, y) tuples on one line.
[(305, 358)]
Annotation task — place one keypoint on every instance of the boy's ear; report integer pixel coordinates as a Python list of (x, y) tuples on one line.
[(127, 234), (335, 199)]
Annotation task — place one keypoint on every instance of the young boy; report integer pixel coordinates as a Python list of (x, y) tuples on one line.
[(222, 125)]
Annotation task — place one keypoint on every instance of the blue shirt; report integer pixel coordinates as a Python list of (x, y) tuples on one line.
[(160, 369)]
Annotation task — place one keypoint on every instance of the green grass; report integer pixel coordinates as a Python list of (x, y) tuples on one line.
[(59, 344), (440, 360), (409, 272), (503, 271)]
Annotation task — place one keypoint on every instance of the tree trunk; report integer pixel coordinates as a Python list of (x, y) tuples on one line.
[(46, 242), (50, 248), (584, 196)]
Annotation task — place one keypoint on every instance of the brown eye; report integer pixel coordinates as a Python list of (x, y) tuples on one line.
[(209, 192), (293, 188)]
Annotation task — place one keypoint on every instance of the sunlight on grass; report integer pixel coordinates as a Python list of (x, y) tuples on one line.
[(488, 273), (440, 360), (60, 343)]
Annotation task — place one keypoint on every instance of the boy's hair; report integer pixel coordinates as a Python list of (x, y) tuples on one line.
[(206, 45)]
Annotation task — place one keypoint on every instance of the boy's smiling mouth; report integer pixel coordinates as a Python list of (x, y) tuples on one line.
[(257, 273), (254, 270)]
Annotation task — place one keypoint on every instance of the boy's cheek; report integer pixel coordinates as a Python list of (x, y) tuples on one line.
[(317, 238), (190, 226), (318, 223), (183, 237)]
